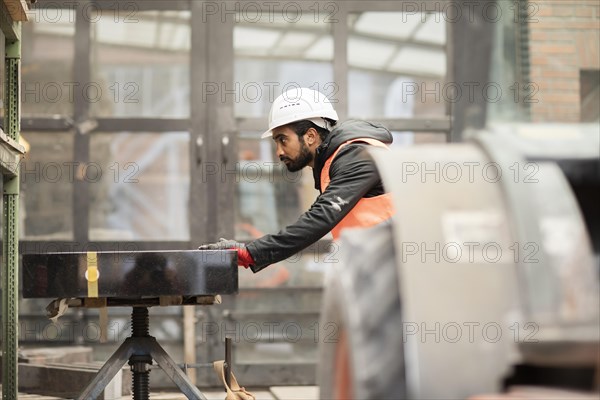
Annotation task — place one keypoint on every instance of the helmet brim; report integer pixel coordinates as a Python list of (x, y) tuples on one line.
[(267, 134)]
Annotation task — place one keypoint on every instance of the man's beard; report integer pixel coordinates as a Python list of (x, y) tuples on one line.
[(301, 161)]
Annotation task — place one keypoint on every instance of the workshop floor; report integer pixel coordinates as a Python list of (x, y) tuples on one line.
[(272, 393)]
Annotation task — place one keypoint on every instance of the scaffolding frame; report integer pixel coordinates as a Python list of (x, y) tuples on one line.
[(10, 155)]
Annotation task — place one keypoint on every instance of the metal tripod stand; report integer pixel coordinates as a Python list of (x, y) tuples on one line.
[(139, 350)]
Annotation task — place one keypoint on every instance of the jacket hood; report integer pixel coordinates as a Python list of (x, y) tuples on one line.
[(352, 129), (348, 130)]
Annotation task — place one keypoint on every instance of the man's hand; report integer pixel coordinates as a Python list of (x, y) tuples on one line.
[(222, 244), (244, 257)]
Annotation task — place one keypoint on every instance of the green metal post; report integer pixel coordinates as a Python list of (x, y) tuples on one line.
[(10, 223)]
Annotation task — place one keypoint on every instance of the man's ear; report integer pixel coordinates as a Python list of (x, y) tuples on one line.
[(311, 136)]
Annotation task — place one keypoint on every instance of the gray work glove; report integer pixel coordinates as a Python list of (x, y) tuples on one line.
[(244, 257), (222, 244)]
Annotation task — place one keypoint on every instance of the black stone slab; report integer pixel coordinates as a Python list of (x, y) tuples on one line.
[(132, 275)]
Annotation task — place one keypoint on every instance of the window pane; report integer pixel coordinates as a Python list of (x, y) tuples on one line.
[(47, 175), (141, 63), (142, 189), (47, 63), (276, 54), (397, 65), (269, 197), (589, 82), (508, 67), (410, 138), (290, 314), (305, 269)]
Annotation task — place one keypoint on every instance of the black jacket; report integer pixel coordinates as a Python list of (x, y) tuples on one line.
[(353, 176)]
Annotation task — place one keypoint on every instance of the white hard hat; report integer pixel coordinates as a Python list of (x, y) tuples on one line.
[(298, 104)]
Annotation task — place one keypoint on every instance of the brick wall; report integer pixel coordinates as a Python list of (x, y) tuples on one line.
[(564, 39)]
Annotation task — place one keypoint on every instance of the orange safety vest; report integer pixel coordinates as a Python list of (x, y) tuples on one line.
[(369, 211)]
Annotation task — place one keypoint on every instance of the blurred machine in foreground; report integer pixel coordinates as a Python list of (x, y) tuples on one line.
[(486, 279)]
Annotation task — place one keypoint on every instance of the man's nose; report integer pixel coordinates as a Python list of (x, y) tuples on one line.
[(279, 151)]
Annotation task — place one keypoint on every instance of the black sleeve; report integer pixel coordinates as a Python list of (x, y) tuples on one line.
[(352, 176)]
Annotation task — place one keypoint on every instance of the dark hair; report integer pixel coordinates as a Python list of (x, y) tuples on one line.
[(300, 127)]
